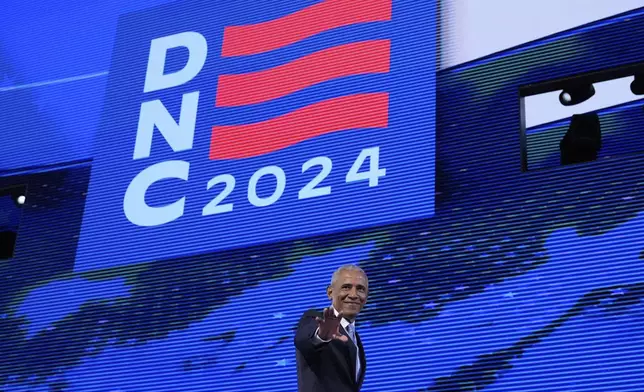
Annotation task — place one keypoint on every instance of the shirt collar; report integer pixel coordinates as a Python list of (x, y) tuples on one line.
[(344, 322)]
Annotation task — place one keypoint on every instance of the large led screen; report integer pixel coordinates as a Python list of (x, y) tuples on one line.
[(194, 172)]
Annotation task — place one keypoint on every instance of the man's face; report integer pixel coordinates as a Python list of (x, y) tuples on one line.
[(349, 293)]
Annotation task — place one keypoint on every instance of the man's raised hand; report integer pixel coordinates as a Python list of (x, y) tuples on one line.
[(329, 326)]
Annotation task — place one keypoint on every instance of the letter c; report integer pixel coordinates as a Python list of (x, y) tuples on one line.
[(134, 206)]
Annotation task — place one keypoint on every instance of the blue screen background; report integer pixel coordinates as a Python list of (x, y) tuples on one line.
[(520, 281)]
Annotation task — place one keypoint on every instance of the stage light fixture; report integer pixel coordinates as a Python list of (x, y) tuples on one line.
[(583, 139), (576, 93), (637, 85), (18, 197)]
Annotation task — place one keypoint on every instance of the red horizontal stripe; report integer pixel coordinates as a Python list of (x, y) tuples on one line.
[(274, 34), (345, 60), (343, 113)]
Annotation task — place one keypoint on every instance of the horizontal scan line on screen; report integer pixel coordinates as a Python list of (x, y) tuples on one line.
[(52, 82)]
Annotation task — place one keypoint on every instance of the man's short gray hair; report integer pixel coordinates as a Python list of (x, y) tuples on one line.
[(347, 267)]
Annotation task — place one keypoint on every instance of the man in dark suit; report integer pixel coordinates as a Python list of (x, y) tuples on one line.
[(329, 353)]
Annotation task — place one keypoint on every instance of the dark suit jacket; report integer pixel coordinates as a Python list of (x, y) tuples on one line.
[(326, 367)]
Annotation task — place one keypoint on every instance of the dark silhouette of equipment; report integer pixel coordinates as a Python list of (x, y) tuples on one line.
[(12, 200), (576, 93), (582, 141), (637, 85), (7, 244)]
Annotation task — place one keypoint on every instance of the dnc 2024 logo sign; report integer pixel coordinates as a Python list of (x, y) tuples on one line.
[(229, 124)]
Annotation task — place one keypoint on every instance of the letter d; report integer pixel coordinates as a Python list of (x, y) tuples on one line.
[(155, 79)]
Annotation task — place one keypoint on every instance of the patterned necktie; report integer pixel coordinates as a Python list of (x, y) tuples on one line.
[(352, 334)]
